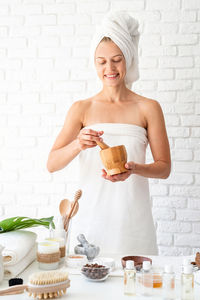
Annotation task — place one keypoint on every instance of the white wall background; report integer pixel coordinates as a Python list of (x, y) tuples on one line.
[(44, 68)]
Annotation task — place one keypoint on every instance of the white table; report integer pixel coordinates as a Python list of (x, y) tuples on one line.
[(111, 289)]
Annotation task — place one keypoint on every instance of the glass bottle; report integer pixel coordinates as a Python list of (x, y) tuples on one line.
[(187, 283), (168, 283), (129, 278), (147, 279)]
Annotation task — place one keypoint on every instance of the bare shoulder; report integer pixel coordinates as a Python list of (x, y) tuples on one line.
[(149, 106), (147, 103), (78, 109), (82, 105)]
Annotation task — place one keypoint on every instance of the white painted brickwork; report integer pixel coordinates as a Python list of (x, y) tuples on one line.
[(44, 67)]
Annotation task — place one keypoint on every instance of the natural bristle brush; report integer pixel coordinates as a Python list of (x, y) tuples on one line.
[(42, 285)]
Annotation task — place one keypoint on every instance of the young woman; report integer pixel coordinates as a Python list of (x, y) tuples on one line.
[(115, 211)]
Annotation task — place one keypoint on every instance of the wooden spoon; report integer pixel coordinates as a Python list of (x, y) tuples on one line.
[(65, 207)]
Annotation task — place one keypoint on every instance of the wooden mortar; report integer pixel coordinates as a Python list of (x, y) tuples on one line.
[(113, 158)]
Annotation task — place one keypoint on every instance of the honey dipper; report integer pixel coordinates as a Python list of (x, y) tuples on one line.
[(43, 285)]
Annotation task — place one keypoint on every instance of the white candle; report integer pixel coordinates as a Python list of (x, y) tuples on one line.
[(48, 247), (48, 255), (59, 240)]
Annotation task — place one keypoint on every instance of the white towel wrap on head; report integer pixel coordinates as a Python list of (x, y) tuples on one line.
[(123, 30)]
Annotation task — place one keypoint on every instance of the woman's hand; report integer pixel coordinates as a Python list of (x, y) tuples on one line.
[(130, 166), (87, 138)]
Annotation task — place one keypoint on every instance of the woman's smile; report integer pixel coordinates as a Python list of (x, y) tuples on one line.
[(112, 76)]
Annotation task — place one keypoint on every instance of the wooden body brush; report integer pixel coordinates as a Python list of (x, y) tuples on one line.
[(113, 158), (42, 285)]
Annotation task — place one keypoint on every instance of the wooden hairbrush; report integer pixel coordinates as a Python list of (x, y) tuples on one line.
[(42, 285)]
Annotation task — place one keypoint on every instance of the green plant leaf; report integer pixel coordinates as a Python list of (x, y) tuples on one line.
[(16, 223)]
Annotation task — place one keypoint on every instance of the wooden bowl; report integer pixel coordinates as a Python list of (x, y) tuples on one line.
[(138, 260), (114, 159)]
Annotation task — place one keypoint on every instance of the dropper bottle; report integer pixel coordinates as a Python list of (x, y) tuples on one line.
[(129, 278), (187, 283)]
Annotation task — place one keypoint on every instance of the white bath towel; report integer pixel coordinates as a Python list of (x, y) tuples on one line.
[(14, 270), (16, 245), (117, 217), (123, 30)]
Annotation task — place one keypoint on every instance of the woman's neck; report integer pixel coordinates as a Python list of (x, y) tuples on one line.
[(114, 93)]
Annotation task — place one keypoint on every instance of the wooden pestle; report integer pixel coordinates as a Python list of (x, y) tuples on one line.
[(102, 145)]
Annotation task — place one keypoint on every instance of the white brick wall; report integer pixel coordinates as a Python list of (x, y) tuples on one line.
[(44, 67)]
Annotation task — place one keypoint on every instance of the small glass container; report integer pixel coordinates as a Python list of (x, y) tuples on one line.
[(147, 279), (168, 290), (187, 283), (48, 255), (129, 278)]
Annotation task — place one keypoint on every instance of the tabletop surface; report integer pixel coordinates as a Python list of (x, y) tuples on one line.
[(111, 288)]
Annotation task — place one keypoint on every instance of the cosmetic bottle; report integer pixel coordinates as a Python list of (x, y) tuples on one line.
[(168, 288), (129, 278), (187, 283), (147, 279)]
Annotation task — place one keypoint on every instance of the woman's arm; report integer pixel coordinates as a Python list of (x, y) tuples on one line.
[(159, 145), (158, 142), (72, 139)]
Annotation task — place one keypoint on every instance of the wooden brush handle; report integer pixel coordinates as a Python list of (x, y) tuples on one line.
[(102, 145), (16, 289)]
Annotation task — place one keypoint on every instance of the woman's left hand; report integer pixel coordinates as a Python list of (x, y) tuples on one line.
[(130, 166)]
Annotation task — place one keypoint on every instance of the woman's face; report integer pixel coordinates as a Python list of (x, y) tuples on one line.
[(110, 63)]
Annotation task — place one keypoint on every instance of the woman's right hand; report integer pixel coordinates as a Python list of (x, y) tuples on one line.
[(87, 138)]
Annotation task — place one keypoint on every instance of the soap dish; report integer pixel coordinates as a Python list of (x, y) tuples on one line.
[(76, 261)]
